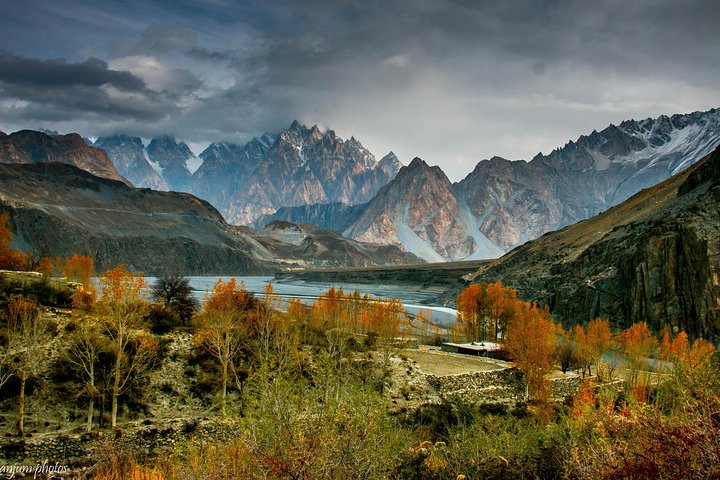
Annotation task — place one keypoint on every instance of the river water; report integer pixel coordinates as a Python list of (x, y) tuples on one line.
[(413, 299)]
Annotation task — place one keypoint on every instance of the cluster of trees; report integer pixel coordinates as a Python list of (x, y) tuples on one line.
[(537, 343), (113, 330)]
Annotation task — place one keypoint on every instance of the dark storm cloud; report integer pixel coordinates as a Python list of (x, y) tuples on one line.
[(52, 90), (30, 72)]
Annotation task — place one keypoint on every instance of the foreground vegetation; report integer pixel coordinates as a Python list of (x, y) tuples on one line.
[(304, 389)]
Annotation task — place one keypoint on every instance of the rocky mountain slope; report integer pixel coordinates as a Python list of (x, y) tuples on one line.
[(654, 258), (419, 211), (519, 201), (28, 146), (129, 156), (62, 210), (174, 161)]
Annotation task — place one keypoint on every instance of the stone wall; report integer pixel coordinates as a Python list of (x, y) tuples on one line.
[(497, 386)]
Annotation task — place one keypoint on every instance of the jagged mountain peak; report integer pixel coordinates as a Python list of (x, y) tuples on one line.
[(118, 139), (128, 155), (419, 166), (517, 201), (390, 164)]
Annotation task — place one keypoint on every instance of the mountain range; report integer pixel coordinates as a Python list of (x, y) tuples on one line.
[(502, 204), (29, 146), (305, 176), (298, 166)]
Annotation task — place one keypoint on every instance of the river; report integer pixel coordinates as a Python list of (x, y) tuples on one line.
[(413, 299)]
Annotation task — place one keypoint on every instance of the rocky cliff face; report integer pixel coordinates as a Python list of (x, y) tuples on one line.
[(172, 160), (654, 258), (129, 157), (519, 201), (61, 210), (419, 211), (28, 146)]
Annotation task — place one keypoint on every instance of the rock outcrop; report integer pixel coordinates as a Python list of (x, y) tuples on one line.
[(653, 258), (29, 146), (128, 155)]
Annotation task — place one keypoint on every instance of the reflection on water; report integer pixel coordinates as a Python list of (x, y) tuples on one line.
[(413, 299)]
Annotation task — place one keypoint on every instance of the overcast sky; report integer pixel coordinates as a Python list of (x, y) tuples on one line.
[(452, 82)]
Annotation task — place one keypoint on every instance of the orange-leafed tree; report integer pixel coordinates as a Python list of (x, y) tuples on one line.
[(638, 342), (484, 311), (79, 268), (123, 308), (700, 353), (10, 259), (684, 354), (597, 336), (387, 319), (229, 316), (531, 340), (583, 353)]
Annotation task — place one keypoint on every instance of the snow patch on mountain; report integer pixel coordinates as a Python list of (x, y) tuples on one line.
[(411, 242), (155, 165)]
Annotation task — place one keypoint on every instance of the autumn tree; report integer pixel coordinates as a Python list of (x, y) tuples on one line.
[(122, 307), (228, 316), (485, 311), (386, 319), (567, 351), (531, 341), (10, 259), (583, 353), (28, 338), (86, 343), (79, 268), (638, 343), (598, 335), (684, 354)]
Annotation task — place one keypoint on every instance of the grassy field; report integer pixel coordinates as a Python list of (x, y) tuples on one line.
[(435, 362)]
